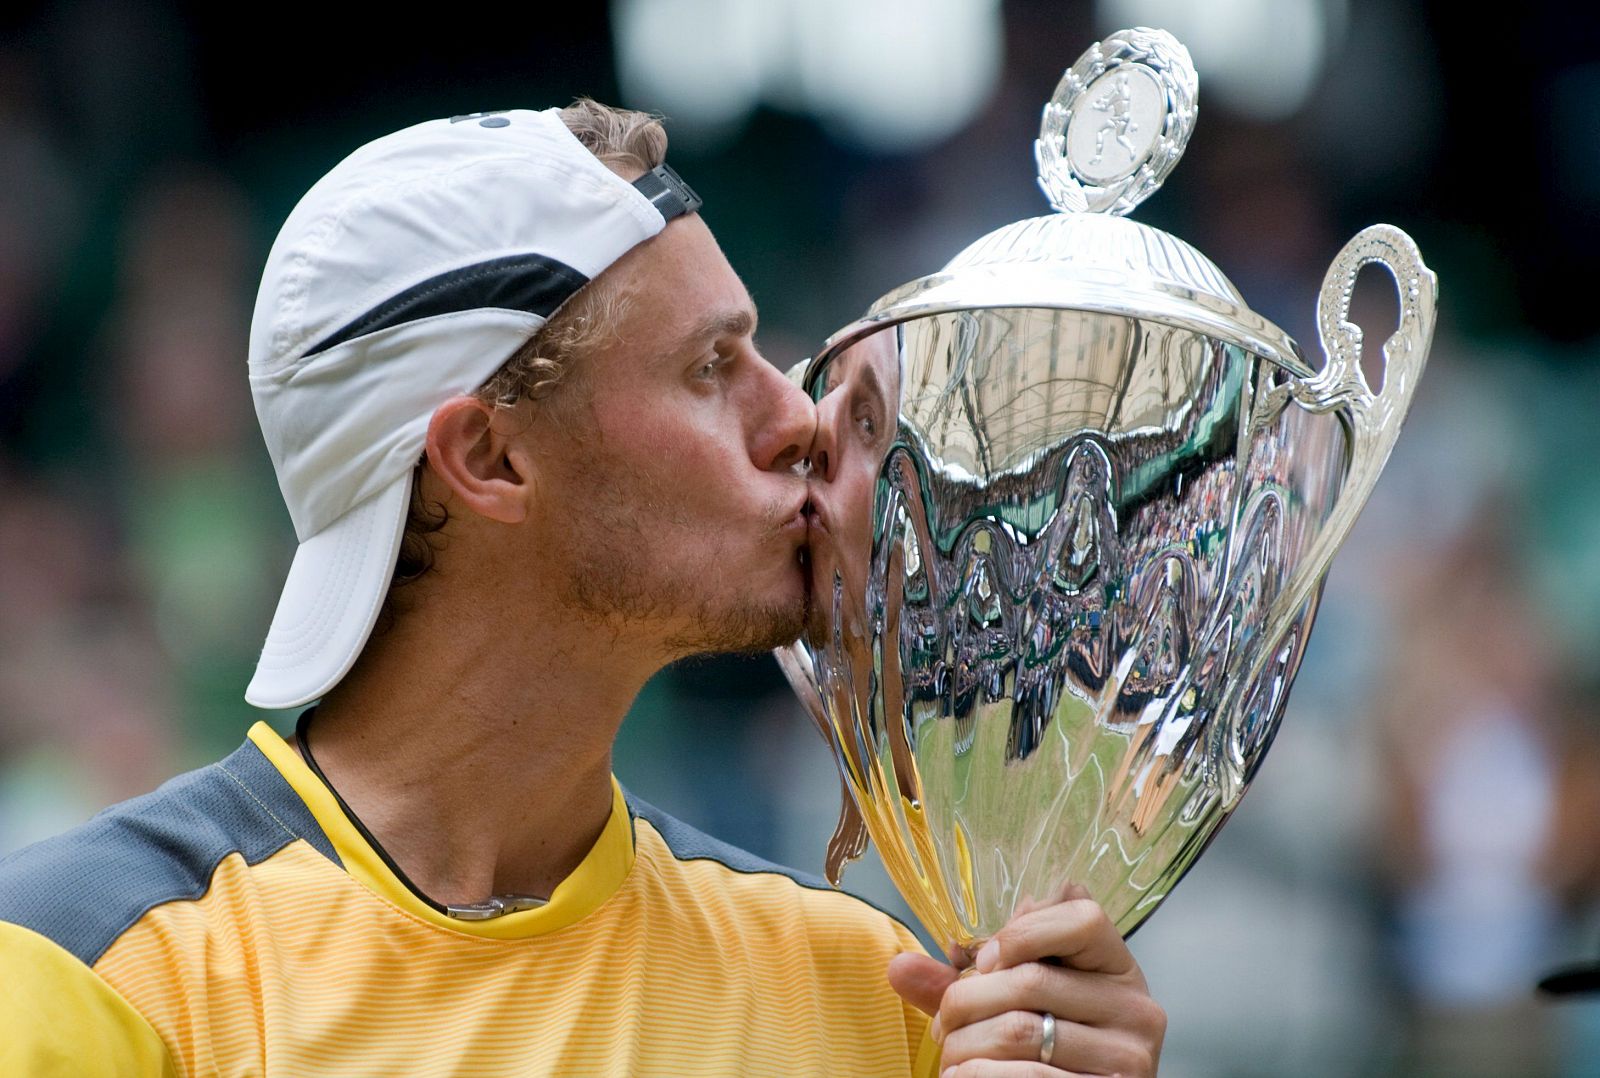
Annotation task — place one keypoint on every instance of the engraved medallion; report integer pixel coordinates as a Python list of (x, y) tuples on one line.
[(1120, 119)]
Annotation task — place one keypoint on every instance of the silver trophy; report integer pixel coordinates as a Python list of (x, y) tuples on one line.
[(1074, 504)]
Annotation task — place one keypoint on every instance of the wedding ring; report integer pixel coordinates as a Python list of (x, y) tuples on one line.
[(1047, 1041)]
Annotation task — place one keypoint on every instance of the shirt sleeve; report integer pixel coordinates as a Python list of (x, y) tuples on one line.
[(59, 1018)]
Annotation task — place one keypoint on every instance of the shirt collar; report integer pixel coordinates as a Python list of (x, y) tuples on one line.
[(596, 879)]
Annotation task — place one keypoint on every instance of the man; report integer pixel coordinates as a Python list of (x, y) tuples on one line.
[(440, 875)]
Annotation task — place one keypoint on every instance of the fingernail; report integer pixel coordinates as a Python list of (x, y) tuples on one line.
[(988, 956), (936, 1031), (947, 1072)]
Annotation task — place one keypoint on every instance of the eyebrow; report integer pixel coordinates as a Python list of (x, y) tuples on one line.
[(738, 323), (871, 382)]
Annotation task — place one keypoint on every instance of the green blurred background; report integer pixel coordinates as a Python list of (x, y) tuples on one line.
[(1422, 844)]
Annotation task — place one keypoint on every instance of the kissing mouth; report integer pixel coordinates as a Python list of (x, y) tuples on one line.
[(796, 528), (800, 527), (798, 520), (817, 517)]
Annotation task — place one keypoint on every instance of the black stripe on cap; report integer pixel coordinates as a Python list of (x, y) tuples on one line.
[(532, 283)]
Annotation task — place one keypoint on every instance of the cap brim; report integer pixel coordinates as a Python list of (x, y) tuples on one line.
[(331, 600)]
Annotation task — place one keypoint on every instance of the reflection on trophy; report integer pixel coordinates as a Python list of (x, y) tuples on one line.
[(1074, 504)]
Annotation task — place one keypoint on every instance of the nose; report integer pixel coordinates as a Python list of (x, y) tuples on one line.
[(825, 443), (784, 439)]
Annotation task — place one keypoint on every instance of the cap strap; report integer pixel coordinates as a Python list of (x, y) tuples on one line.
[(667, 192)]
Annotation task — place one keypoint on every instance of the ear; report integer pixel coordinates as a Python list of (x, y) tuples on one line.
[(479, 460)]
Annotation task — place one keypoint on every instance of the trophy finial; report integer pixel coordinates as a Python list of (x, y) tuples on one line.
[(1118, 122)]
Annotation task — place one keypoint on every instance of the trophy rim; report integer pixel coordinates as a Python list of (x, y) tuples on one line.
[(1025, 287)]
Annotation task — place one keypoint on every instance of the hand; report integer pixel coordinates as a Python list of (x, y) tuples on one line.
[(1065, 958)]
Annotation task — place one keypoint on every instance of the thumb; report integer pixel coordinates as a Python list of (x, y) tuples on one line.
[(920, 980)]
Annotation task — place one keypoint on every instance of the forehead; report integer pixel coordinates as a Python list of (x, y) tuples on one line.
[(676, 281), (876, 354)]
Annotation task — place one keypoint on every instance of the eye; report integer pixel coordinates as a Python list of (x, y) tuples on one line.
[(710, 368), (868, 422)]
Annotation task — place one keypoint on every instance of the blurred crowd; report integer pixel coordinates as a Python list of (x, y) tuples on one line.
[(1423, 842)]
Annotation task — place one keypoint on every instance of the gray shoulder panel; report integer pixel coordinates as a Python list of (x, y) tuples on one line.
[(86, 887), (691, 844)]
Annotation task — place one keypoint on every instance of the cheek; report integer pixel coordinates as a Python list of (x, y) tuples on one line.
[(688, 441), (854, 489), (631, 440)]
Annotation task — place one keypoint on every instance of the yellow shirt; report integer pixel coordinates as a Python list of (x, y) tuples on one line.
[(235, 922)]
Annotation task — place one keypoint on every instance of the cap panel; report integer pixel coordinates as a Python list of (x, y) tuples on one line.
[(330, 601), (432, 198), (391, 231), (357, 418)]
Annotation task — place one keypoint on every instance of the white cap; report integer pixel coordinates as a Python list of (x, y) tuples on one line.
[(407, 275)]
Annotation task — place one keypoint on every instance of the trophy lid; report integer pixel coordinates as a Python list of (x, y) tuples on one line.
[(1114, 129)]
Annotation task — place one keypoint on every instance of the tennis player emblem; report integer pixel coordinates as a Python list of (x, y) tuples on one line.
[(1117, 124)]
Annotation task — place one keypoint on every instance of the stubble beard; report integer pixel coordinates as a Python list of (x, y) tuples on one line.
[(619, 587), (615, 579), (749, 630)]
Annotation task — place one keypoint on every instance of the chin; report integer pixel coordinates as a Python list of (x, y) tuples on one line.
[(756, 620), (747, 631), (820, 577), (780, 622)]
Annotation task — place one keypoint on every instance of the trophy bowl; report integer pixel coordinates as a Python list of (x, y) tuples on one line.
[(1073, 505)]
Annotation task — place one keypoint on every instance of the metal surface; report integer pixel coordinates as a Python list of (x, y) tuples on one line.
[(1073, 506), (1117, 123)]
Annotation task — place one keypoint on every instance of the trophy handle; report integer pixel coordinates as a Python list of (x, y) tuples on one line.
[(1372, 418), (849, 839)]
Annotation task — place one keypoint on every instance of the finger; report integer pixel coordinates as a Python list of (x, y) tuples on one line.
[(1071, 890), (1061, 894), (1077, 932), (1019, 1035), (1006, 1068), (919, 980), (960, 957), (1090, 998)]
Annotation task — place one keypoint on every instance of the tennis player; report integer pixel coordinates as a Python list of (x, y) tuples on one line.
[(439, 874)]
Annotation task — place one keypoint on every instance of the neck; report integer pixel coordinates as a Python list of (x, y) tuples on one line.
[(480, 760)]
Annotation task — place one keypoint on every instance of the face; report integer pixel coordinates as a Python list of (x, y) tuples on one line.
[(855, 426), (670, 503)]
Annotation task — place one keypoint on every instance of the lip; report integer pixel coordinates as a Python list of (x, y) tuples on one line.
[(798, 523), (817, 517)]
